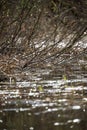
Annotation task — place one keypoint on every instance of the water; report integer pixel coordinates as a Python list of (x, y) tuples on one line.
[(46, 99)]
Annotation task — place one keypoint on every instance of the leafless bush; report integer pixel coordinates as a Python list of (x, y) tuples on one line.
[(42, 31)]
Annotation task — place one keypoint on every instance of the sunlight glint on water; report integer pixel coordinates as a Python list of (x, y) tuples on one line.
[(45, 103)]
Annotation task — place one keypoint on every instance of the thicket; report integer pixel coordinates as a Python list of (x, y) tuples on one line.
[(37, 32)]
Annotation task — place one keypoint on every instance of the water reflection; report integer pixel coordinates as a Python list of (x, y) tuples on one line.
[(55, 113), (45, 102), (26, 120)]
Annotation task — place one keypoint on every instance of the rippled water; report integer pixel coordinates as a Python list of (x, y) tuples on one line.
[(46, 100)]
